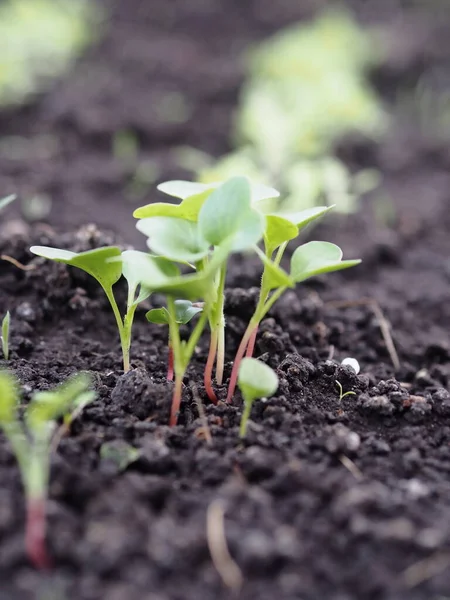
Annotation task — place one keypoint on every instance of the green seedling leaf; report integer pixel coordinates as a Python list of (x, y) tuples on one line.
[(185, 311), (5, 201), (50, 405), (186, 189), (250, 232), (9, 398), (5, 335), (223, 213), (176, 239), (158, 316), (278, 230), (120, 453), (274, 276), (188, 209), (304, 217), (132, 273), (256, 380), (95, 262), (315, 258)]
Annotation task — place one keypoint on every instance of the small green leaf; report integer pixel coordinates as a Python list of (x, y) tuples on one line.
[(131, 270), (315, 258), (5, 201), (9, 398), (120, 453), (185, 311), (96, 262), (184, 189), (5, 334), (278, 230), (305, 217), (227, 215), (274, 276), (256, 380), (188, 209), (177, 239), (158, 316)]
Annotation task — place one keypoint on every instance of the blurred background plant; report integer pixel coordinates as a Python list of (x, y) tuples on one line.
[(40, 39), (307, 87)]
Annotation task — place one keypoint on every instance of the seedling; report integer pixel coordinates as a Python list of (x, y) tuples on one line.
[(185, 311), (5, 335), (256, 380), (341, 392), (5, 201), (202, 231), (31, 440), (308, 260), (107, 265)]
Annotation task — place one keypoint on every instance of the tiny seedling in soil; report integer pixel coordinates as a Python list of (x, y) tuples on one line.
[(256, 380), (185, 311), (341, 392), (308, 260), (107, 265), (31, 442), (119, 453), (5, 335)]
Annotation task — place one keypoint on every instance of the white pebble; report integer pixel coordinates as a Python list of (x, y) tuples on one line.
[(353, 363)]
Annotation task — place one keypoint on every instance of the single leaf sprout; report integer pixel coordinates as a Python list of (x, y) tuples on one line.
[(5, 335), (256, 380), (343, 394), (107, 265), (31, 442)]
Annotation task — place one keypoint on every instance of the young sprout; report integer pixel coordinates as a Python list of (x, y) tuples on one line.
[(5, 201), (202, 231), (308, 260), (5, 335), (185, 311), (256, 380), (31, 440), (107, 265), (341, 392)]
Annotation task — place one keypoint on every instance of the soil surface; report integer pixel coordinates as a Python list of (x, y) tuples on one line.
[(325, 499)]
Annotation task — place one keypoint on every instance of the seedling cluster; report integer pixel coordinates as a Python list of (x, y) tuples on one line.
[(190, 244)]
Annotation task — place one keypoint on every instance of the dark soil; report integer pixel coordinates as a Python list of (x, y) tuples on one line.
[(323, 500)]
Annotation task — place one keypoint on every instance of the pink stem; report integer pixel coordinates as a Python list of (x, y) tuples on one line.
[(170, 364), (209, 369), (176, 401), (251, 343), (35, 534), (237, 360)]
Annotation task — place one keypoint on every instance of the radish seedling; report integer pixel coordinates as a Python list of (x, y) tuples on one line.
[(31, 443), (308, 260), (203, 231), (343, 394), (107, 265), (185, 311), (5, 335), (256, 380)]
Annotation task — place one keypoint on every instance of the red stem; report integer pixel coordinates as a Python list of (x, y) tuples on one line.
[(170, 364), (237, 359), (176, 401), (35, 534), (251, 343), (209, 369)]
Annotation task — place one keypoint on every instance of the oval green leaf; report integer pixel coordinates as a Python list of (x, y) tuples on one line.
[(278, 230), (158, 316), (256, 380), (315, 258), (185, 311), (177, 239), (188, 209)]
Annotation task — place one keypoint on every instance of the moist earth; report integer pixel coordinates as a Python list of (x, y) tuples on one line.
[(324, 499)]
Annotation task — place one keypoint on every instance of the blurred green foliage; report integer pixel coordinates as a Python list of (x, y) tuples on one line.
[(307, 87), (40, 39)]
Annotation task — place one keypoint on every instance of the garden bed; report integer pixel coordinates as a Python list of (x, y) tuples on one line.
[(324, 499)]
